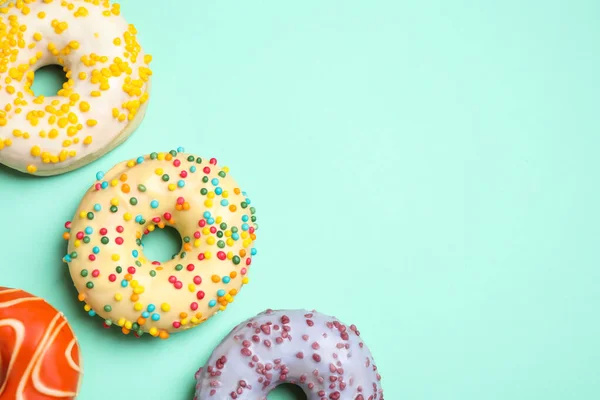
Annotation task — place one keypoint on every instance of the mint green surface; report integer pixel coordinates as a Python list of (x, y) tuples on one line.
[(426, 170)]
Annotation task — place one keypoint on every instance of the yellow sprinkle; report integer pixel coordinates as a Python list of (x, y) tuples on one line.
[(116, 257), (127, 217), (118, 297), (37, 36), (32, 169), (36, 151), (165, 307), (138, 307)]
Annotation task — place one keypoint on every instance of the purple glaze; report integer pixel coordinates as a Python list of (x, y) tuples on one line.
[(326, 358)]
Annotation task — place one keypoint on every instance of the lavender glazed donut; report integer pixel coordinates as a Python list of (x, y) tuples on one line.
[(326, 358)]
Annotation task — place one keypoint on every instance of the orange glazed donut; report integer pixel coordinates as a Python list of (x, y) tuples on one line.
[(39, 354)]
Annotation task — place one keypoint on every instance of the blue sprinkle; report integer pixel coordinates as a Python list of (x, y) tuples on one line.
[(248, 200), (235, 236), (245, 227), (224, 202), (245, 218), (215, 181), (181, 183), (96, 250), (218, 191), (104, 185), (124, 283), (226, 279), (99, 175), (138, 218), (193, 169), (145, 314), (212, 303), (220, 293), (151, 307), (89, 230), (92, 313), (140, 160), (68, 258), (97, 207), (206, 214), (180, 149), (253, 252), (155, 317), (135, 253), (210, 221), (154, 204)]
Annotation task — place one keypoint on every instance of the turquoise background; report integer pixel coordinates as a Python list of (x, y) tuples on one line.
[(426, 170)]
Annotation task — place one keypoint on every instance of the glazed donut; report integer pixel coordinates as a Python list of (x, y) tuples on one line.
[(100, 105), (39, 354), (326, 358), (105, 250)]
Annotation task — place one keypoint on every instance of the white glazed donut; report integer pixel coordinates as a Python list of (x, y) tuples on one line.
[(101, 104), (323, 356), (105, 253)]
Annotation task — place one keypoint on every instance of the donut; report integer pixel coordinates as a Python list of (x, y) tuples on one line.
[(105, 253), (320, 354), (101, 104), (39, 354)]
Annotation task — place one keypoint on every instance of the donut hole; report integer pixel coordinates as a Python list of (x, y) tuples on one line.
[(287, 391), (48, 80), (162, 244)]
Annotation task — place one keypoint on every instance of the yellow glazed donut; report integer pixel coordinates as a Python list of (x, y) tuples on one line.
[(105, 250), (100, 105)]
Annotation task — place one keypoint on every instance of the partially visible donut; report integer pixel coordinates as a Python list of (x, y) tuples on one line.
[(100, 105), (323, 356), (39, 354)]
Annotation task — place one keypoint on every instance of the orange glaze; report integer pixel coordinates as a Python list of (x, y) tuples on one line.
[(39, 354)]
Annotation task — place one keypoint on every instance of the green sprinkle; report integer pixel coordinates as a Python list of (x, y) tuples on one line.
[(133, 201), (114, 209), (153, 156), (119, 270), (86, 239), (178, 267), (203, 191), (142, 188), (205, 179), (90, 216), (165, 177), (104, 240), (84, 272), (153, 273), (107, 308), (89, 285), (236, 260), (221, 244)]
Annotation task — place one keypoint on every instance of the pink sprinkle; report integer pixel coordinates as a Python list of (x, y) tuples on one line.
[(190, 267), (197, 235), (248, 261), (201, 256), (183, 174), (221, 255), (156, 220), (243, 271), (172, 279), (180, 200), (98, 186), (202, 223), (176, 325), (119, 241), (206, 170), (68, 225), (213, 230), (103, 231), (251, 229), (176, 163), (213, 161), (79, 235), (167, 216), (194, 306), (95, 273), (92, 257), (197, 280), (200, 295), (178, 285), (131, 270), (112, 277), (120, 229)]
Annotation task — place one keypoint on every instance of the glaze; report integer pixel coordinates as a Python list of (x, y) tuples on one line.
[(100, 105), (105, 251), (39, 354), (323, 356)]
